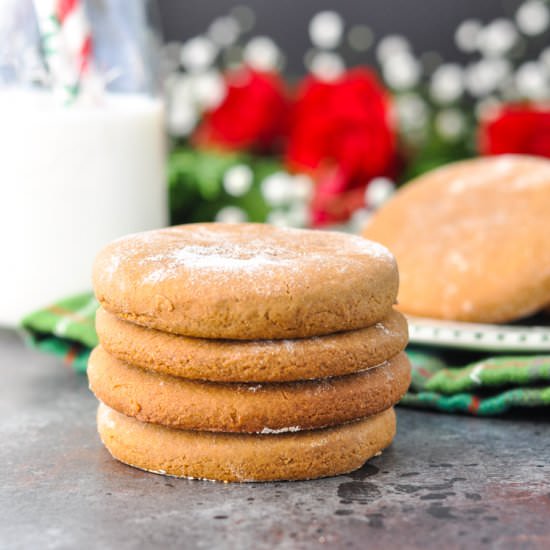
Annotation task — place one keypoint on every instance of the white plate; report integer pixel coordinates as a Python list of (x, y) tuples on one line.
[(479, 337)]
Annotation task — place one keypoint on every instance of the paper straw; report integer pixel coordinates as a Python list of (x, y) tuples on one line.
[(67, 44)]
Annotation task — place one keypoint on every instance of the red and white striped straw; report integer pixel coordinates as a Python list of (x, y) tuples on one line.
[(76, 32), (67, 43)]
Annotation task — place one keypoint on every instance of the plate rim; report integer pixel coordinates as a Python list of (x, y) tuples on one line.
[(473, 336)]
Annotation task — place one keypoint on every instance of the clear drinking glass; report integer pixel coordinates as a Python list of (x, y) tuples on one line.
[(76, 170)]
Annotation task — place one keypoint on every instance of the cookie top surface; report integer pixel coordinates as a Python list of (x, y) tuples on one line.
[(472, 239), (246, 281)]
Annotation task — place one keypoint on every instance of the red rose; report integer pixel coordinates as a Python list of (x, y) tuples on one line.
[(252, 115), (516, 128), (343, 131), (344, 126)]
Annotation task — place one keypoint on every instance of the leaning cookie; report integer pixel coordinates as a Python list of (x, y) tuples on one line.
[(246, 281), (246, 408), (252, 361), (472, 239), (237, 457)]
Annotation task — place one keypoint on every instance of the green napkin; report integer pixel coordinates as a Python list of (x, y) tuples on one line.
[(66, 329), (485, 387)]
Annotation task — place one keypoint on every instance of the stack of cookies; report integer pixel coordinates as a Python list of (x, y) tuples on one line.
[(247, 352)]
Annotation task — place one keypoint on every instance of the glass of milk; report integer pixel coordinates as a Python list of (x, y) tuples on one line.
[(75, 176)]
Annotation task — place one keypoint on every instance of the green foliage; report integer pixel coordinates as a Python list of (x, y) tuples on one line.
[(195, 180), (435, 150)]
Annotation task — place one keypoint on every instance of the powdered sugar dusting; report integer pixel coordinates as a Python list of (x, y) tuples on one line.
[(534, 178), (495, 168), (156, 276), (289, 345), (219, 249), (383, 328), (458, 261), (209, 258), (266, 431), (106, 417), (113, 265), (533, 174)]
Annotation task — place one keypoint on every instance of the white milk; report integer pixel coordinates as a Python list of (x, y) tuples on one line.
[(71, 180)]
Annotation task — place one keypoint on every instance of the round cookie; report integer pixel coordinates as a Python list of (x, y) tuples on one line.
[(246, 281), (246, 408), (256, 360), (237, 457), (472, 239)]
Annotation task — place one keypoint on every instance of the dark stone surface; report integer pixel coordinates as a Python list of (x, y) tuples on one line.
[(447, 481)]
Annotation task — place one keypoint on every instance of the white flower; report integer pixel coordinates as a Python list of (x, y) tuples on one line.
[(262, 54), (485, 76), (198, 53), (533, 17), (378, 191), (359, 220), (325, 29), (298, 215), (224, 31), (401, 71), (231, 214), (466, 35), (326, 65), (302, 188), (238, 180), (447, 84), (531, 81), (178, 86), (485, 107), (277, 189), (181, 118), (497, 38), (182, 115), (278, 218), (450, 124), (208, 89), (411, 111), (391, 45)]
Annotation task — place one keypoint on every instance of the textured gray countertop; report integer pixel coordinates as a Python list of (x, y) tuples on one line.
[(447, 481)]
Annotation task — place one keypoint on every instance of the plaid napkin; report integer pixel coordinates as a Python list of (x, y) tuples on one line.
[(481, 386), (484, 387), (66, 329)]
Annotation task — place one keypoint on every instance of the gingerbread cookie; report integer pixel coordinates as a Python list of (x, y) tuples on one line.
[(256, 360), (237, 457), (472, 239), (247, 408), (246, 281)]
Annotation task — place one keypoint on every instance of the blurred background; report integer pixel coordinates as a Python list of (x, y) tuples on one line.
[(121, 116), (429, 24), (304, 114), (438, 81)]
